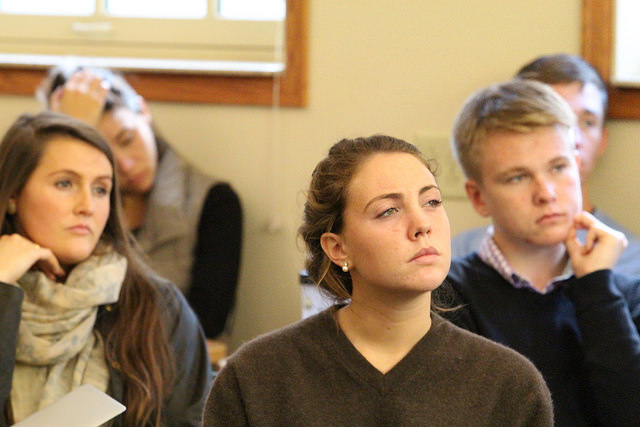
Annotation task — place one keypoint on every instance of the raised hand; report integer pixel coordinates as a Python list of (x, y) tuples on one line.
[(82, 97), (602, 247), (19, 254)]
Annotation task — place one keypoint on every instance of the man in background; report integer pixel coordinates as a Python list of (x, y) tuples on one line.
[(585, 92), (533, 285)]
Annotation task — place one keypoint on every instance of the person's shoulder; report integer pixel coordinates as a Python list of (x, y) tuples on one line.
[(483, 355), (628, 262), (169, 297), (220, 191), (505, 379), (628, 284), (462, 267), (163, 286), (272, 347), (213, 191), (463, 272), (172, 163), (11, 289), (467, 241)]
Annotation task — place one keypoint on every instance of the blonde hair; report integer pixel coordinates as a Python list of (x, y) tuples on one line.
[(520, 106)]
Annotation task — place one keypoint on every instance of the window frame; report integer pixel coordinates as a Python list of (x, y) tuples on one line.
[(597, 42), (206, 88)]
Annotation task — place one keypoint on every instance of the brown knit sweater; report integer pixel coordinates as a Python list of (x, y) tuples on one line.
[(309, 374)]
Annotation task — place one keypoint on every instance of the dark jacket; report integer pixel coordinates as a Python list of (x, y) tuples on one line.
[(182, 407), (583, 336)]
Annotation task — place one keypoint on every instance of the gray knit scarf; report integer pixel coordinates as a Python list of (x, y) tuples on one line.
[(58, 348)]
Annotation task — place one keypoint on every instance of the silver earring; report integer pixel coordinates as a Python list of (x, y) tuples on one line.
[(345, 267), (11, 207)]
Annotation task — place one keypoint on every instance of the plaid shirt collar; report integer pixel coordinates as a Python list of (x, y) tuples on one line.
[(492, 256)]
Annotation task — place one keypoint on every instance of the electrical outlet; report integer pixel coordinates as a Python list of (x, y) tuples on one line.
[(450, 177)]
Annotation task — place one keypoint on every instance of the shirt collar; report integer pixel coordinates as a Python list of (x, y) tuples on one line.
[(491, 254)]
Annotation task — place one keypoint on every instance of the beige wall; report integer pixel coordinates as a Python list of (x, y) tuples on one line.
[(396, 67)]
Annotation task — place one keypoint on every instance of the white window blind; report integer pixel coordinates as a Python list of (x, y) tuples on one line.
[(224, 36)]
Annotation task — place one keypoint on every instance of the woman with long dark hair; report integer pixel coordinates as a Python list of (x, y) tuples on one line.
[(77, 304)]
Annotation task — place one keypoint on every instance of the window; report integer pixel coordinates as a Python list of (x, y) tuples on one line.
[(174, 85), (625, 68), (192, 35), (598, 48)]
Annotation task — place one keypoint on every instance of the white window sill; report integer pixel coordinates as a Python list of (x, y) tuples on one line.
[(144, 64)]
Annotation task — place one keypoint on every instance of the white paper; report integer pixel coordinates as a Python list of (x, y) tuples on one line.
[(84, 406)]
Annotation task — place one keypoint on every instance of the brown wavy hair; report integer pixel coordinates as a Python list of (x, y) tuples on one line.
[(142, 353), (324, 207)]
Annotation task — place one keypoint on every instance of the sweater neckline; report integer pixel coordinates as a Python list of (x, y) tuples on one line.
[(362, 371)]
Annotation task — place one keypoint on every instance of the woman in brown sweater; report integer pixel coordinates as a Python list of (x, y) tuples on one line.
[(378, 240)]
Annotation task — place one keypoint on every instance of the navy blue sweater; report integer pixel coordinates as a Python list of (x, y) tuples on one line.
[(583, 336)]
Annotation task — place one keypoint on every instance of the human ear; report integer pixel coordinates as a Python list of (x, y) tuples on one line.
[(475, 195), (333, 247)]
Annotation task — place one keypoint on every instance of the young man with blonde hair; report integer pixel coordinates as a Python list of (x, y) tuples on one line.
[(533, 285), (581, 86)]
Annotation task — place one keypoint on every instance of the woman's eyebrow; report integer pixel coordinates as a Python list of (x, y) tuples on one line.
[(393, 196), (428, 187), (398, 196)]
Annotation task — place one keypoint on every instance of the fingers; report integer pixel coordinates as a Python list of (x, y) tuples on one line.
[(572, 243), (49, 264), (573, 249), (602, 245), (591, 239), (597, 230), (594, 228), (584, 220), (19, 254), (86, 82), (83, 96)]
